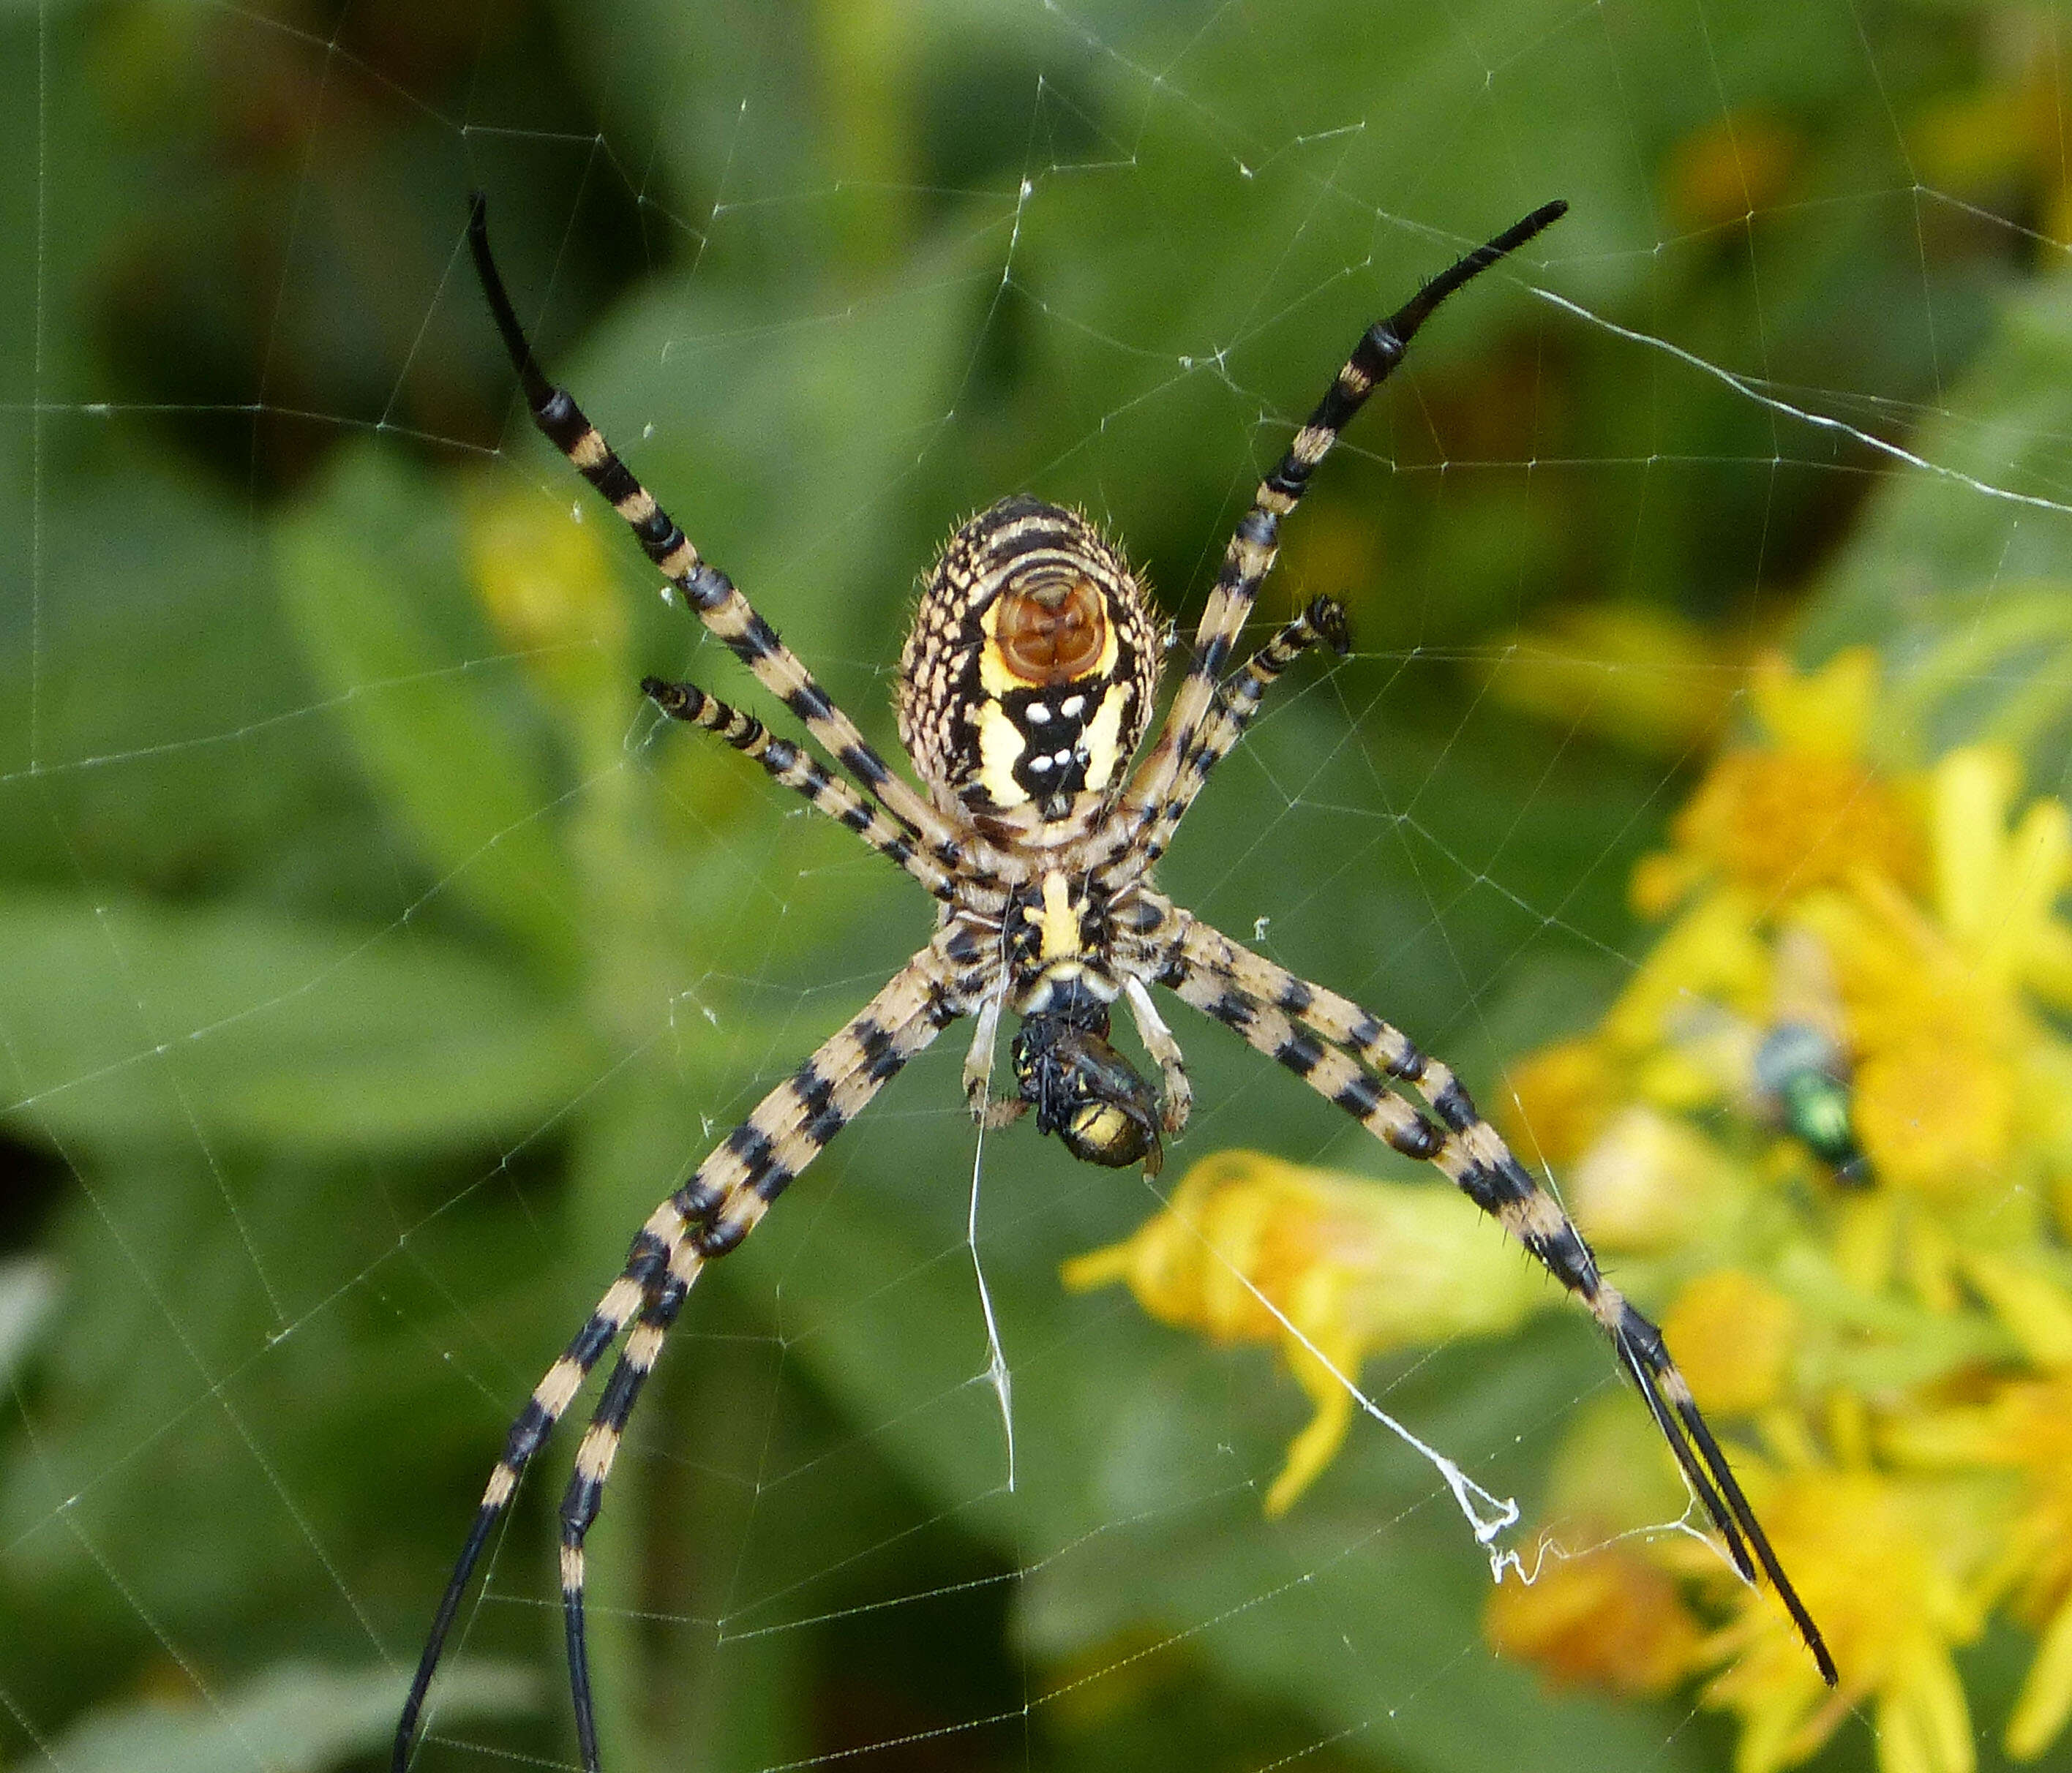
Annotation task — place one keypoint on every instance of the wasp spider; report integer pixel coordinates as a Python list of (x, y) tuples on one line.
[(1026, 686)]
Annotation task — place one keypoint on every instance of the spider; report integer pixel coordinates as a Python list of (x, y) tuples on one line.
[(1025, 689)]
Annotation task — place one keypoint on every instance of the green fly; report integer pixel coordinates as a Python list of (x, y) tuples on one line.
[(1802, 1066)]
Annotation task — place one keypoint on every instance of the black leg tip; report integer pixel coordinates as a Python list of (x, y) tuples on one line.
[(1327, 616)]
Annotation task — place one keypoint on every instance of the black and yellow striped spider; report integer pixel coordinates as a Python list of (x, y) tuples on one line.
[(1026, 686)]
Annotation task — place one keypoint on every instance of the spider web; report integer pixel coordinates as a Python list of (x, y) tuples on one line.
[(374, 962)]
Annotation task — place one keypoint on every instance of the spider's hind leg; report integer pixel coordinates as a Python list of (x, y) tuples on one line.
[(706, 1217)]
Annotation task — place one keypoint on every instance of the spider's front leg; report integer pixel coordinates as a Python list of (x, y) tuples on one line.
[(825, 793), (1251, 553), (707, 593), (1323, 623)]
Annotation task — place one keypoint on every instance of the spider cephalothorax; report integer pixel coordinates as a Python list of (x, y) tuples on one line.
[(1028, 675), (1025, 688)]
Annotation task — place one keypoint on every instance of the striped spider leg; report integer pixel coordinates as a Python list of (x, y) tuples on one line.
[(1352, 1057), (803, 772), (1237, 701), (709, 1216), (706, 591), (1250, 556)]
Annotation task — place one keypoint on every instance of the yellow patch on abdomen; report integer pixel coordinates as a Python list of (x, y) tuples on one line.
[(1104, 736), (1000, 747)]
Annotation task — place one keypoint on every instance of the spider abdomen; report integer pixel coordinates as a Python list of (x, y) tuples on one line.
[(1028, 676)]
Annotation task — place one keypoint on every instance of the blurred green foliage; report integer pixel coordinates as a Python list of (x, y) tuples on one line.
[(367, 969)]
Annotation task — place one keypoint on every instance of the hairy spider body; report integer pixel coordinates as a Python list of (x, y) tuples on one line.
[(1027, 677), (1026, 689)]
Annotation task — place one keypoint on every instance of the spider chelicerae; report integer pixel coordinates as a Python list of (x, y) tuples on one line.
[(1026, 686)]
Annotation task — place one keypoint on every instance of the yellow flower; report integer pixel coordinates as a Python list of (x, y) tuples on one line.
[(544, 579), (1608, 1618), (1634, 674), (1828, 1113), (1331, 1269), (1997, 888), (2027, 1430), (1728, 168), (1602, 1607), (1879, 1563), (1677, 1036), (1555, 1101), (1735, 1336), (1805, 810), (1946, 1047), (1651, 1183), (2006, 133)]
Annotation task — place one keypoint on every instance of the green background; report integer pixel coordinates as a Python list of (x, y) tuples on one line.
[(365, 980)]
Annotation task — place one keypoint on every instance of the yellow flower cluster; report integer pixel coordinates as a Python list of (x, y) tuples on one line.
[(1827, 1128), (1332, 1270)]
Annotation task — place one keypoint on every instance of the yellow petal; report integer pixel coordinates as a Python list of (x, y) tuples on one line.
[(2046, 1695), (1101, 1267), (1826, 712), (1652, 1182), (1938, 1700), (1318, 1443), (1733, 1336), (1660, 883), (1972, 789), (1557, 1100), (2035, 1311), (546, 583), (1637, 674)]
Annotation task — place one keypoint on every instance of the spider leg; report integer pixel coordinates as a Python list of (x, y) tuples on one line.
[(1323, 622), (710, 1215), (803, 772), (1165, 1053), (1250, 556), (1338, 1049), (653, 1251), (978, 1068), (706, 591)]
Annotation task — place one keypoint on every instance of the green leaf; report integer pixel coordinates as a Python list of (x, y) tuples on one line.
[(130, 1023), (296, 1718), (370, 571), (1961, 571)]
